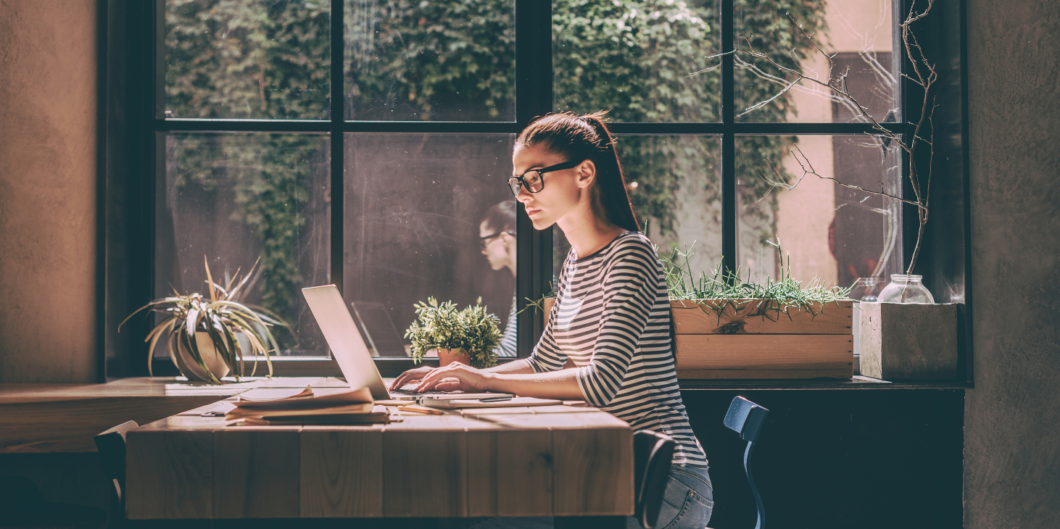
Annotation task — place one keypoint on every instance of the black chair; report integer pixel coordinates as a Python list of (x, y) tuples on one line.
[(23, 506), (111, 447), (746, 418), (652, 455)]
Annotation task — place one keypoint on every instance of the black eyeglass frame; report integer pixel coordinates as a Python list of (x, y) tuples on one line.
[(558, 167), (484, 241)]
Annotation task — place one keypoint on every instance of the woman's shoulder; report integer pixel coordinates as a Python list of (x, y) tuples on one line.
[(632, 244)]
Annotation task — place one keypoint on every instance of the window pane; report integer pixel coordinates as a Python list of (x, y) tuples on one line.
[(858, 32), (251, 59), (674, 184), (238, 199), (827, 231), (644, 60), (416, 208), (448, 60)]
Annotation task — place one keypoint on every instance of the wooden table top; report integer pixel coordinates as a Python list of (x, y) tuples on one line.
[(536, 461)]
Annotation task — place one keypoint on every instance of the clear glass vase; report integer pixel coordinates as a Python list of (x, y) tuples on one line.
[(906, 289), (866, 289)]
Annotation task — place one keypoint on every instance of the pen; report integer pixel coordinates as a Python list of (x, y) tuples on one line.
[(421, 409), (496, 399)]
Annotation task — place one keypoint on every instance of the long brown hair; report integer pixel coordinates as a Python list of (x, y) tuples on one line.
[(587, 138)]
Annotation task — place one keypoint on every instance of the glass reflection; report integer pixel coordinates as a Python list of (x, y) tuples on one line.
[(447, 60), (258, 59), (858, 34), (428, 215), (238, 199), (827, 231), (645, 60)]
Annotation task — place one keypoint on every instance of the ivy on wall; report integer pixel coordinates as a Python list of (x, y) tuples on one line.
[(455, 59)]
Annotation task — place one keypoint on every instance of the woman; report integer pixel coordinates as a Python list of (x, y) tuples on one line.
[(496, 233), (611, 316)]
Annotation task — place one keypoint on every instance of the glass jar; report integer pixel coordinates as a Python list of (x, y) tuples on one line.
[(866, 289), (906, 289)]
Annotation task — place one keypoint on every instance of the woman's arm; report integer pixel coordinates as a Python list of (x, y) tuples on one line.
[(418, 374), (521, 381)]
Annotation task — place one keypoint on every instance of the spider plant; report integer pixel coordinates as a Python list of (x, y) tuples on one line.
[(222, 317)]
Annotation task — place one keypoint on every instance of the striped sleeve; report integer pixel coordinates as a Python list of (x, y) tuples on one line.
[(508, 346), (629, 291)]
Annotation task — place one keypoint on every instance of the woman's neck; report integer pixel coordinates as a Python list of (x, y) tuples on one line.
[(586, 232)]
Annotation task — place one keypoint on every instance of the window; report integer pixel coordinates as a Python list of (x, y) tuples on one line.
[(364, 143)]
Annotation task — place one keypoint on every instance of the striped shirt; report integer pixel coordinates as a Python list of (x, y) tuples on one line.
[(612, 318), (507, 347)]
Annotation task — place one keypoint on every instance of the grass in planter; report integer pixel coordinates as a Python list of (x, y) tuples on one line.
[(724, 288)]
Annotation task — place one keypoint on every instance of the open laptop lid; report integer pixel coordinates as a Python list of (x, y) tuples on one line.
[(345, 340)]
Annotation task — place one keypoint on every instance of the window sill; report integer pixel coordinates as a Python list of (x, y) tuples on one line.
[(855, 383)]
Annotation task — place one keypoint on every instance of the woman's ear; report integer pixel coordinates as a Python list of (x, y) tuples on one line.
[(585, 174)]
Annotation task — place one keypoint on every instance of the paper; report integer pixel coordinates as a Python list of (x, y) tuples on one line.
[(308, 398)]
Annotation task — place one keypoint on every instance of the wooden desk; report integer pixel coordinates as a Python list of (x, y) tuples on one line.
[(42, 418), (550, 461)]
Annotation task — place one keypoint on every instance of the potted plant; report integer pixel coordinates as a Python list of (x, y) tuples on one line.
[(209, 336), (469, 336), (725, 327)]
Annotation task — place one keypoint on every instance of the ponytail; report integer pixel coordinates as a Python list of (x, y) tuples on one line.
[(610, 188), (588, 138)]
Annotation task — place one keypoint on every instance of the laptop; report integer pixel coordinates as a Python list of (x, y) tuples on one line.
[(352, 354)]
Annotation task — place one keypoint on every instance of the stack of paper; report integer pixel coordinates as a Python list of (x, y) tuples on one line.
[(331, 406)]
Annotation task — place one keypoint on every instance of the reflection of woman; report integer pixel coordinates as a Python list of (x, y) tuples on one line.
[(497, 235), (611, 316)]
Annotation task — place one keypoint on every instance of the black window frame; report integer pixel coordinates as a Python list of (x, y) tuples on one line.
[(134, 130)]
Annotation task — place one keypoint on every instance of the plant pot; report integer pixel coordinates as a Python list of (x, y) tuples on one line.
[(908, 341), (548, 302), (448, 356), (750, 339), (213, 360)]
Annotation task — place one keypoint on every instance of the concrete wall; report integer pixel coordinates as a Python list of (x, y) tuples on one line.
[(1012, 428), (47, 190)]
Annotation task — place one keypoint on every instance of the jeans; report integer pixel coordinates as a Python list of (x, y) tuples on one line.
[(687, 503)]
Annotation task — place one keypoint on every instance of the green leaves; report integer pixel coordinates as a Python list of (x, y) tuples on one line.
[(442, 325), (727, 286), (222, 319)]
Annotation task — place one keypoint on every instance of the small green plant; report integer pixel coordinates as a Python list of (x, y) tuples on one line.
[(539, 304), (222, 317), (442, 325), (721, 289)]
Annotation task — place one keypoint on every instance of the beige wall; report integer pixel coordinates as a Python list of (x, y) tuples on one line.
[(47, 190), (805, 213)]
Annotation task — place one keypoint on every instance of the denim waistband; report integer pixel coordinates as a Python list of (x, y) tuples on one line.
[(685, 474)]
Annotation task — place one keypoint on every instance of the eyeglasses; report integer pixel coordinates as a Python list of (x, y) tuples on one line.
[(533, 180), (485, 240)]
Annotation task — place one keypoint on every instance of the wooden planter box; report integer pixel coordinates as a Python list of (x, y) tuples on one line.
[(747, 344), (739, 345)]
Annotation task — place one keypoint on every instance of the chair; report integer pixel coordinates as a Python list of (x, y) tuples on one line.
[(111, 447), (746, 418), (652, 455)]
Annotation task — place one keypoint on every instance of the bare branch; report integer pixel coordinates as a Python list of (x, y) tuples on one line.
[(807, 169)]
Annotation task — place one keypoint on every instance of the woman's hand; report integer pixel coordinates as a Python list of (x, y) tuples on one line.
[(410, 376), (454, 377)]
